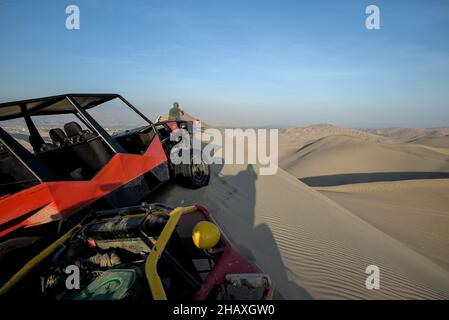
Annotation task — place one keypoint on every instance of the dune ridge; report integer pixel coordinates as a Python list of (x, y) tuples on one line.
[(409, 134), (436, 142), (341, 154)]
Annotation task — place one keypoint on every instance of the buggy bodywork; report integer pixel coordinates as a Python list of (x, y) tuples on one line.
[(81, 168)]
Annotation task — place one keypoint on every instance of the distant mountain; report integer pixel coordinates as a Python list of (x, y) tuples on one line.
[(409, 134), (304, 135)]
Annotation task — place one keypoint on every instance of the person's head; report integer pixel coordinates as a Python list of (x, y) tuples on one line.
[(176, 104)]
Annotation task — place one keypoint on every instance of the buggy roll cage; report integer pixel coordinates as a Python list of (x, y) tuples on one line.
[(73, 103), (59, 104)]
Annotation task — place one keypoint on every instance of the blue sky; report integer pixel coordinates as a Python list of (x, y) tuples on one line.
[(239, 62)]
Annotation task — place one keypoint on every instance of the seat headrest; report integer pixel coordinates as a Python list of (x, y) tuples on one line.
[(36, 142), (58, 136), (72, 129)]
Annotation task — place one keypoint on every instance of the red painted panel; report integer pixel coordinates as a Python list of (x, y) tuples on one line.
[(66, 197), (23, 202)]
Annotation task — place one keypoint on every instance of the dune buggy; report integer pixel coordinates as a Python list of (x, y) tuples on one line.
[(142, 252), (81, 164)]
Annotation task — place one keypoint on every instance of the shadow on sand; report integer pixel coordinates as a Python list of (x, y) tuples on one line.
[(350, 178), (254, 240)]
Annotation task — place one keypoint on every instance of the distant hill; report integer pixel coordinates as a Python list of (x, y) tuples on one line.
[(409, 134), (314, 132), (292, 139), (438, 142)]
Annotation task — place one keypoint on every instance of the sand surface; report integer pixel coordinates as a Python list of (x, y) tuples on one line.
[(310, 245), (414, 212), (398, 184)]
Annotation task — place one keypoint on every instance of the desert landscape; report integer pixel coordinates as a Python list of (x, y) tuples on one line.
[(342, 199), (346, 197)]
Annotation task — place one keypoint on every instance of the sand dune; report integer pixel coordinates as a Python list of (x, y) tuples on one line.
[(315, 132), (414, 212), (381, 182), (292, 139), (336, 155), (311, 246), (438, 142)]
